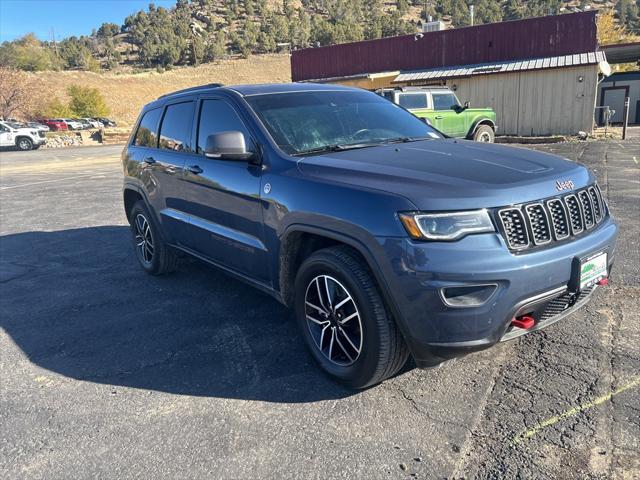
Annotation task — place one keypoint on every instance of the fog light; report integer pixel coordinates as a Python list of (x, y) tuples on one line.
[(467, 296)]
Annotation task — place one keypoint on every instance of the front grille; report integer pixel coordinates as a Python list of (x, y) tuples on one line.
[(540, 223), (559, 218), (515, 228), (595, 201), (562, 303), (587, 209)]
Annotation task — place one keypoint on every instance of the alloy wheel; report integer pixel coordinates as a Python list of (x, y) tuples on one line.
[(333, 320), (484, 137), (144, 239)]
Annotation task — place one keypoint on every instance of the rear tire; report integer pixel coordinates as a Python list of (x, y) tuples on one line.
[(484, 134), (152, 252), (334, 285), (24, 144)]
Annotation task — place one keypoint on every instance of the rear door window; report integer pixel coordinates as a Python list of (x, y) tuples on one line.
[(147, 134), (175, 133), (444, 101), (413, 100)]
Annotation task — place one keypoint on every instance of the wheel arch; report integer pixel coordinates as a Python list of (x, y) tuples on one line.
[(130, 195), (19, 137), (478, 122), (295, 247)]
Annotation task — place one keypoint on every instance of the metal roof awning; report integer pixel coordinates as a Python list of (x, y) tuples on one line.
[(590, 58), (622, 53), (368, 76)]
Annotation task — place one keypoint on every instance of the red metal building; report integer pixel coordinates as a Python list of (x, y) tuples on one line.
[(550, 36)]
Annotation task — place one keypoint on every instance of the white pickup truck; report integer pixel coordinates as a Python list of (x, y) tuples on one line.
[(22, 138)]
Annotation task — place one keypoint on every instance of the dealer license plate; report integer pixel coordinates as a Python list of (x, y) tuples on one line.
[(592, 270)]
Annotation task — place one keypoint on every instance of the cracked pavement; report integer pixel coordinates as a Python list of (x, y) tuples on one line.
[(107, 372)]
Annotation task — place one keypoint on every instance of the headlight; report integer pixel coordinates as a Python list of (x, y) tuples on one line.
[(446, 226)]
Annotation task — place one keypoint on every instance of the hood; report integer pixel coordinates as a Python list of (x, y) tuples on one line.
[(450, 174)]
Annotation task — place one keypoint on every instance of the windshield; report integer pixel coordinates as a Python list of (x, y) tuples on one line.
[(314, 122)]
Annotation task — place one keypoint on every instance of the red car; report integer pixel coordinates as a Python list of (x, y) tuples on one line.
[(55, 123)]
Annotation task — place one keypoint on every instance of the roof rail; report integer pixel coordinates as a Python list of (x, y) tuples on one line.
[(192, 89)]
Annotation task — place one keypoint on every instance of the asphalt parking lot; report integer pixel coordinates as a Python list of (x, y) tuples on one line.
[(107, 372)]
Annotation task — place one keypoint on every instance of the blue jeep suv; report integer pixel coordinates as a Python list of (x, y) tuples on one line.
[(386, 238)]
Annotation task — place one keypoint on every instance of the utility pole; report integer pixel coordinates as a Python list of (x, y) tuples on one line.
[(471, 13), (53, 42), (625, 118)]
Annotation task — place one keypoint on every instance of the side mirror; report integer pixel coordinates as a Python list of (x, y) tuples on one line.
[(467, 105), (227, 145)]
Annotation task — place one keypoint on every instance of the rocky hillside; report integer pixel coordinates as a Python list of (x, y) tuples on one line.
[(201, 31)]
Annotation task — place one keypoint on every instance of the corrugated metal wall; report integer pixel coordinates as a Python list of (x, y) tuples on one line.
[(544, 102), (531, 38)]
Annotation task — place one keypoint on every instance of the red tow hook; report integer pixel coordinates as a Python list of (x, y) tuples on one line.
[(604, 281), (524, 321)]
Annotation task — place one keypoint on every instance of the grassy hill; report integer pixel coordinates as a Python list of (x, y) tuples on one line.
[(125, 94)]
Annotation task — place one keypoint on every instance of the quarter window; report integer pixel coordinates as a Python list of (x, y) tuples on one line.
[(176, 127), (147, 133), (445, 101), (218, 116), (413, 100)]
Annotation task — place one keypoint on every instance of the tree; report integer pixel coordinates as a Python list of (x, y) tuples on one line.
[(16, 92), (108, 30), (217, 49), (628, 14), (26, 53), (55, 108), (609, 30), (197, 49), (487, 11), (402, 7), (87, 102), (460, 15), (514, 10)]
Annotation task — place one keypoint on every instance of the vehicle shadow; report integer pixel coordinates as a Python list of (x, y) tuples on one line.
[(77, 304)]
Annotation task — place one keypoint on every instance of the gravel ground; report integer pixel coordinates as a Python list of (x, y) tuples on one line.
[(106, 372)]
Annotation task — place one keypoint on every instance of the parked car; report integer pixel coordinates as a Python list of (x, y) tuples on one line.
[(386, 238), (442, 109), (13, 134), (38, 126), (73, 124), (106, 122), (92, 122), (55, 124)]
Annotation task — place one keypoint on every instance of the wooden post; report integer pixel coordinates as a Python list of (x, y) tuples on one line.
[(625, 118)]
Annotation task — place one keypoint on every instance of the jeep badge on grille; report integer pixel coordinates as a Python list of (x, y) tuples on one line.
[(566, 185)]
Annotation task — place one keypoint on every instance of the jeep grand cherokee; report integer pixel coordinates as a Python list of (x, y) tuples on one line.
[(386, 239)]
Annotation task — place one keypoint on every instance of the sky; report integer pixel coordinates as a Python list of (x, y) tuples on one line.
[(66, 17)]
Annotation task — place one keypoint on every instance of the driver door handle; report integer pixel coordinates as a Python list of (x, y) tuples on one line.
[(195, 169), (438, 117)]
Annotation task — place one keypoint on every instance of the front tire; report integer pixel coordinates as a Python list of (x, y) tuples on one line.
[(153, 254), (484, 134), (24, 144), (344, 321)]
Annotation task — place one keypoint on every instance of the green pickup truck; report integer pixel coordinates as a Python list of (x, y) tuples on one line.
[(440, 107)]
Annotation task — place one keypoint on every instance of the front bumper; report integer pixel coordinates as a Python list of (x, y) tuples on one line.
[(435, 332)]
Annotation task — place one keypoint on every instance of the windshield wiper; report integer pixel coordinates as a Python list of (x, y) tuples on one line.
[(336, 148), (405, 139)]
